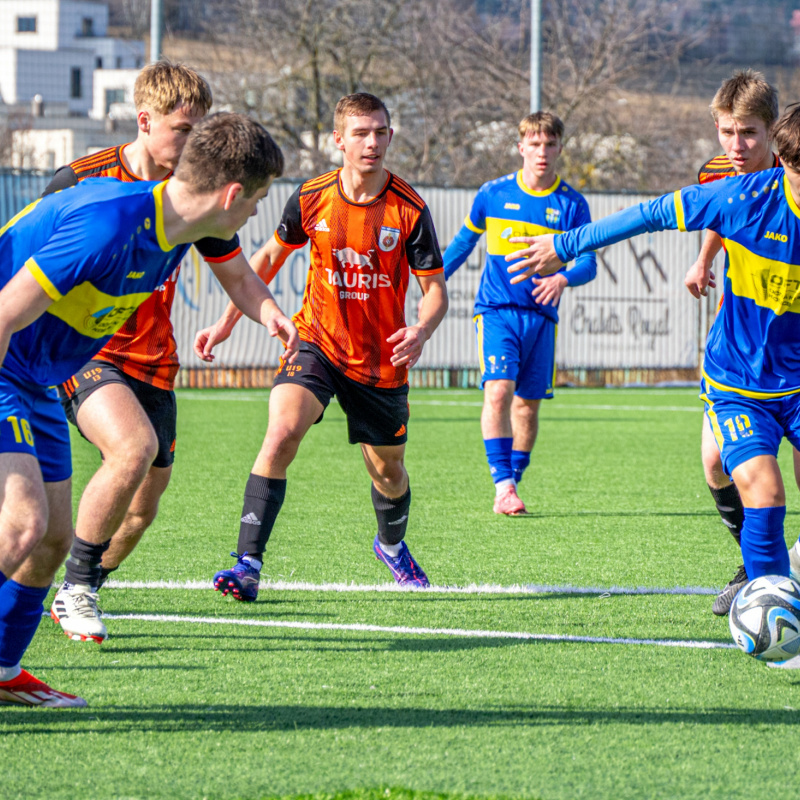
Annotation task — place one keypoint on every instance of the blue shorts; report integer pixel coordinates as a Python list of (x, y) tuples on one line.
[(32, 421), (520, 346), (746, 427)]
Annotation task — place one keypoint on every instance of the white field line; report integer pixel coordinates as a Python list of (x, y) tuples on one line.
[(483, 588), (413, 631), (695, 409)]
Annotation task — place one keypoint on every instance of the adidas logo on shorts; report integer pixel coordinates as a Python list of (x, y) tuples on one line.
[(251, 519)]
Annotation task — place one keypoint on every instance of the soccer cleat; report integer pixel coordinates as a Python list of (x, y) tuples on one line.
[(508, 502), (794, 562), (724, 600), (241, 580), (75, 610), (25, 690), (404, 568)]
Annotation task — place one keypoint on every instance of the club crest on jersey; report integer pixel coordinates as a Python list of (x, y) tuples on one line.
[(552, 215), (388, 239)]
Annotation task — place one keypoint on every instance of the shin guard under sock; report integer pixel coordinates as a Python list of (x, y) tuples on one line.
[(763, 546), (392, 514), (20, 614), (263, 498), (729, 505)]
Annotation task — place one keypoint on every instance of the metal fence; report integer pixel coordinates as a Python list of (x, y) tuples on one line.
[(637, 314)]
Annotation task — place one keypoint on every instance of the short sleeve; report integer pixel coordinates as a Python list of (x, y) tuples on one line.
[(422, 246), (290, 231), (476, 219), (218, 250), (63, 179)]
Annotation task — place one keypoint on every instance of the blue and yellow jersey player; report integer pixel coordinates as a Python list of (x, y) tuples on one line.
[(751, 375), (516, 324), (73, 267)]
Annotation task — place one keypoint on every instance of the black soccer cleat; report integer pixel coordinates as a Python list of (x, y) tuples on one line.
[(724, 600)]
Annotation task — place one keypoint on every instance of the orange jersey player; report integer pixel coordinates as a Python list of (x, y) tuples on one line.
[(368, 231), (123, 401)]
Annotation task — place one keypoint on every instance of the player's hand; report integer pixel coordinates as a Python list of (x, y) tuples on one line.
[(281, 326), (207, 339), (408, 344), (699, 278), (538, 258), (548, 290)]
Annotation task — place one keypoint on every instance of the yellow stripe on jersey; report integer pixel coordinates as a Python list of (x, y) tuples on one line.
[(94, 313), (714, 422), (746, 392), (787, 190), (43, 280), (499, 231), (770, 284), (158, 192), (17, 217), (534, 192), (478, 320), (473, 228), (681, 218)]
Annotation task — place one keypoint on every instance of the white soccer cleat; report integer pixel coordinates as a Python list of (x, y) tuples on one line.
[(75, 609), (25, 690)]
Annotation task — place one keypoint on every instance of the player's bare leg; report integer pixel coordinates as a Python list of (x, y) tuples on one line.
[(498, 438), (729, 505), (391, 499), (293, 409), (113, 420), (140, 515), (23, 589)]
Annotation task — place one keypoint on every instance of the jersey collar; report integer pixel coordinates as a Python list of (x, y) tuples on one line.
[(787, 190), (534, 192)]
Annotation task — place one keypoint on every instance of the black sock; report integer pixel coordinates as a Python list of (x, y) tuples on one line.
[(729, 505), (263, 498), (392, 514), (83, 564), (104, 573)]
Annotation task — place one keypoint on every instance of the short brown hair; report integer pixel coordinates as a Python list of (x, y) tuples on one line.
[(541, 122), (786, 136), (746, 94), (358, 105), (229, 148), (163, 85)]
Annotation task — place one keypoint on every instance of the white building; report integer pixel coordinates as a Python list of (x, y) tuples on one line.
[(53, 48)]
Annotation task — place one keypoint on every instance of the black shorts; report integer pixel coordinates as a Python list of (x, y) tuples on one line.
[(374, 416), (158, 404)]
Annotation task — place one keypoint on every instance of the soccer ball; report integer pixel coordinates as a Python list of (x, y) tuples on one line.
[(765, 618)]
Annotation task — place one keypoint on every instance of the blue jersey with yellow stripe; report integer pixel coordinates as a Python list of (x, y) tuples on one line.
[(98, 250), (754, 344), (506, 207)]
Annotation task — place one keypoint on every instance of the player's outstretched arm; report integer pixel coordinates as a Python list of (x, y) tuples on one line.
[(22, 301), (250, 294), (265, 263), (408, 342), (700, 277)]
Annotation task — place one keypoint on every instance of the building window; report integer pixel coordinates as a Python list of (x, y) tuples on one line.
[(114, 96), (98, 62), (26, 24), (75, 88), (87, 26), (119, 62)]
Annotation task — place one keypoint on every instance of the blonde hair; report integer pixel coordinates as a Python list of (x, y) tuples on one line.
[(163, 85), (746, 94), (358, 105), (541, 122)]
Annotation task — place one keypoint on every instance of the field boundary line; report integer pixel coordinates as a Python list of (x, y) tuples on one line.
[(475, 588), (417, 631)]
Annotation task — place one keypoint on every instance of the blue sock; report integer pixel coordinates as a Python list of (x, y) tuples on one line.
[(763, 547), (498, 454), (519, 463), (20, 614)]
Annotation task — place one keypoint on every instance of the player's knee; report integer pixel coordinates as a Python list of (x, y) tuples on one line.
[(281, 444), (393, 479), (133, 457), (712, 468), (23, 534)]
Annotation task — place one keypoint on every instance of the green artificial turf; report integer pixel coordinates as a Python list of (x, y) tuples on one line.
[(214, 709)]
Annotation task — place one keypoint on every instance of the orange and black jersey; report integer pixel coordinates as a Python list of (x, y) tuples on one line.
[(144, 347), (361, 258), (720, 167)]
